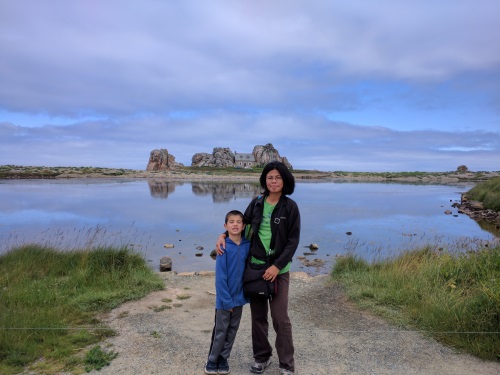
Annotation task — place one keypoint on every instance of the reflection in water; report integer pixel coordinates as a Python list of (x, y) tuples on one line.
[(162, 188), (373, 221), (489, 227), (224, 192)]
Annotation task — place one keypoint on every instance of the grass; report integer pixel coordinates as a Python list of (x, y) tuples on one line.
[(97, 358), (454, 297), (50, 301), (488, 193), (20, 172)]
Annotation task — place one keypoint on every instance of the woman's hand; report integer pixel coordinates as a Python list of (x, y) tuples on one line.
[(220, 246), (271, 273)]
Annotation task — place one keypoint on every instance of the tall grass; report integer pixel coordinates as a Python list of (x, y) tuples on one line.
[(488, 193), (49, 301), (454, 297)]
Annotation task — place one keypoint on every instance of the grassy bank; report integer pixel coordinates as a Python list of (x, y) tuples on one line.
[(49, 301), (488, 193), (453, 297)]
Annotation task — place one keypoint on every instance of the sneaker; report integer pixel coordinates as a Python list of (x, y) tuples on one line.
[(211, 368), (223, 366), (285, 372), (259, 367)]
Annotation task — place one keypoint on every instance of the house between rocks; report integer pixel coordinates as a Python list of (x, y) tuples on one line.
[(223, 157)]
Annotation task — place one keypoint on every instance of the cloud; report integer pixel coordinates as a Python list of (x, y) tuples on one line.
[(115, 57), (387, 85), (308, 142)]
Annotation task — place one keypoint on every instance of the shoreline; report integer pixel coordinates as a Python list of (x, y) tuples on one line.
[(194, 174)]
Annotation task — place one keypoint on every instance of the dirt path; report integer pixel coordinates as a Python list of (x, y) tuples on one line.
[(331, 336)]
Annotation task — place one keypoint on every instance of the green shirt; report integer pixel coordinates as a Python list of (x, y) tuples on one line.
[(265, 235)]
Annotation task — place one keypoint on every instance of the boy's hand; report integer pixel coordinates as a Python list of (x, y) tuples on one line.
[(220, 246)]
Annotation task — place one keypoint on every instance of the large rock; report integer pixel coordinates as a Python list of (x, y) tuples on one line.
[(222, 157), (267, 153), (161, 160)]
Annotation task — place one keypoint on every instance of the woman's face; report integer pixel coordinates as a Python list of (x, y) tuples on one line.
[(274, 182)]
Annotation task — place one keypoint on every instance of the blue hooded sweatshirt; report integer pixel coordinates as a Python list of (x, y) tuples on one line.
[(229, 269)]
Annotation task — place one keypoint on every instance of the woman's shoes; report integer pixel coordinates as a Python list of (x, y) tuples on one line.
[(259, 367)]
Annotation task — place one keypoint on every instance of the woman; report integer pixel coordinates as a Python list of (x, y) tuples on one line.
[(275, 222)]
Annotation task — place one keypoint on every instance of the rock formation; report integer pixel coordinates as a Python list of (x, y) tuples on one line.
[(161, 160), (223, 157), (267, 153)]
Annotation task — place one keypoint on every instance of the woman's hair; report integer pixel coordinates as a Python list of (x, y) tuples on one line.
[(286, 175)]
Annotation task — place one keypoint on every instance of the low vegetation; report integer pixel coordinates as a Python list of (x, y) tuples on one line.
[(452, 296), (488, 193), (23, 172), (50, 301)]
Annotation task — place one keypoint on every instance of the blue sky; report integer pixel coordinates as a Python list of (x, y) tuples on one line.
[(379, 86)]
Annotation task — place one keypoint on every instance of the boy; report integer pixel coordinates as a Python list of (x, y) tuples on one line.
[(229, 299)]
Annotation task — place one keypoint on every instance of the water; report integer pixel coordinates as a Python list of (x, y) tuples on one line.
[(147, 214)]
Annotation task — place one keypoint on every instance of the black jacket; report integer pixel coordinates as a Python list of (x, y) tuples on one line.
[(285, 229)]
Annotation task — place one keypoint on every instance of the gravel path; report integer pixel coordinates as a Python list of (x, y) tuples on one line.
[(331, 336)]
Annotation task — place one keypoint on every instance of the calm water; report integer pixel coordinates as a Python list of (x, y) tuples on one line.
[(383, 217)]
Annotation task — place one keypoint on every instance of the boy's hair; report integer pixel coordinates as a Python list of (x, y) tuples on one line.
[(233, 213), (286, 175)]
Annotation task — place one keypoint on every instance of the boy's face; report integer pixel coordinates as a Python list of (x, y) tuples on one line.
[(234, 224)]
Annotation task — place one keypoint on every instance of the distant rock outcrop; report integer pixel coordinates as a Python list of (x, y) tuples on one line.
[(161, 160), (223, 157), (266, 154)]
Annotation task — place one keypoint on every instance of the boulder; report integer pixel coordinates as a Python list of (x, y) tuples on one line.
[(165, 264), (221, 157), (266, 154), (161, 160)]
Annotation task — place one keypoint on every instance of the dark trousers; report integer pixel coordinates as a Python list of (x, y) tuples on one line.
[(225, 329), (262, 350)]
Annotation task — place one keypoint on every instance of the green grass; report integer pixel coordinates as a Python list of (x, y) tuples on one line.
[(453, 297), (488, 193), (50, 300)]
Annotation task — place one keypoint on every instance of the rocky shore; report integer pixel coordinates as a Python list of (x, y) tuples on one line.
[(476, 211)]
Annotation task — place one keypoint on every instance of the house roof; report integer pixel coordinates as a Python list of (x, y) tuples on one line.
[(244, 157)]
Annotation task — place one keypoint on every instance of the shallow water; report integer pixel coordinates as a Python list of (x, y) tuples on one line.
[(384, 218)]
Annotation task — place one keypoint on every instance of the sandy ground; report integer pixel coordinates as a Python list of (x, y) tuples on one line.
[(169, 331)]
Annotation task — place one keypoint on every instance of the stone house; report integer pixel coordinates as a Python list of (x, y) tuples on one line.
[(244, 160)]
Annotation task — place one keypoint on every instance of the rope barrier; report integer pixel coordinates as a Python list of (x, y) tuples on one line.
[(332, 331)]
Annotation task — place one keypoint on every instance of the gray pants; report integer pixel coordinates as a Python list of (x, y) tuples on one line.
[(225, 329)]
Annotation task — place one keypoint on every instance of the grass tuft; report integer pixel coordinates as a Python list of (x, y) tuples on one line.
[(96, 358)]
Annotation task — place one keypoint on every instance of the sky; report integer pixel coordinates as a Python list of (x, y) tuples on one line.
[(367, 86)]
